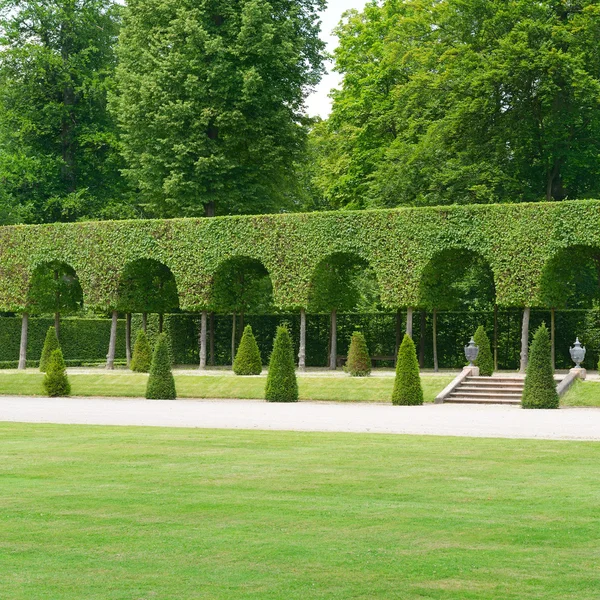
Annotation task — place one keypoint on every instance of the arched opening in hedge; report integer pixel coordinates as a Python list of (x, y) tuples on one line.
[(456, 279), (146, 286), (241, 286), (571, 281), (53, 288), (342, 281)]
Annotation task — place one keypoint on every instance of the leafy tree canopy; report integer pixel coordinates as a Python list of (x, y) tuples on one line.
[(211, 101), (59, 158), (464, 101)]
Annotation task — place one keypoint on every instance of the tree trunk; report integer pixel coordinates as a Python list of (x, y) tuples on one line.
[(161, 322), (209, 209), (302, 350), (203, 341), (409, 321), (128, 338), (241, 331), (553, 336), (57, 313), (333, 344), (435, 355), (495, 337), (398, 334), (112, 345), (525, 339), (233, 321), (422, 339), (57, 324), (212, 339), (23, 348), (145, 322)]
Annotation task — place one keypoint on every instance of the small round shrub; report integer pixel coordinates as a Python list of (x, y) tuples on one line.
[(50, 345), (247, 359), (282, 385), (407, 385), (485, 359), (161, 385), (540, 387), (359, 361), (56, 382), (142, 353)]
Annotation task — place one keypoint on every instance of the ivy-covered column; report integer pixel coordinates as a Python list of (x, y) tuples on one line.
[(302, 350), (112, 345), (525, 339), (23, 348), (203, 320)]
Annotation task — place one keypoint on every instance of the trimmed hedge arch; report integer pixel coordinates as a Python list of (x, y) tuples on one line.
[(517, 240)]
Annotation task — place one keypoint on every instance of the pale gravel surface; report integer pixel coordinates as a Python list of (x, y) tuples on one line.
[(447, 419)]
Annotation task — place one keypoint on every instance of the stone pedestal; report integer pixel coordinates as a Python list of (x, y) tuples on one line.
[(578, 372)]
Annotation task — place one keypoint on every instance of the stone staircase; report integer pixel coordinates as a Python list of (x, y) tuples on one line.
[(488, 390)]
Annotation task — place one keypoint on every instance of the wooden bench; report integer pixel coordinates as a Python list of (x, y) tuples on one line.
[(341, 359)]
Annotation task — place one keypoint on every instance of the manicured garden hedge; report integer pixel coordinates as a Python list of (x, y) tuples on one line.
[(517, 240)]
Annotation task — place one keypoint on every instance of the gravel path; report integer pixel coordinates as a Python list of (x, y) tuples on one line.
[(446, 419)]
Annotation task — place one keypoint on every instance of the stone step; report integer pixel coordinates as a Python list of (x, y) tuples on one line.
[(487, 386), (468, 400), (495, 380), (492, 395)]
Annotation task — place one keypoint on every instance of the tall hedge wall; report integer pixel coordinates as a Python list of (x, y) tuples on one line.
[(517, 240), (80, 339)]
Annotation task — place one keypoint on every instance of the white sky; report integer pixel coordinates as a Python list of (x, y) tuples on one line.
[(319, 103)]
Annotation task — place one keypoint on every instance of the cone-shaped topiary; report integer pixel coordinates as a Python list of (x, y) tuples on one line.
[(407, 386), (161, 385), (56, 382), (540, 387), (485, 360), (50, 345), (142, 353), (281, 380), (359, 361), (247, 359)]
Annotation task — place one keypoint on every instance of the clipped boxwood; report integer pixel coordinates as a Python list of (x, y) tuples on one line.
[(282, 385), (540, 387), (358, 363), (56, 382), (485, 359), (407, 385), (161, 384), (50, 345), (142, 353), (247, 359)]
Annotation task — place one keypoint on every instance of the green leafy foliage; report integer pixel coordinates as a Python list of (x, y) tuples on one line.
[(50, 345), (247, 359), (54, 288), (517, 240), (407, 386), (540, 387), (142, 353), (485, 359), (161, 384), (210, 98), (56, 382), (359, 362), (282, 385), (60, 159), (437, 105)]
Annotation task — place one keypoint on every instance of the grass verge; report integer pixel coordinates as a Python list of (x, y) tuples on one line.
[(582, 393), (111, 513), (337, 389)]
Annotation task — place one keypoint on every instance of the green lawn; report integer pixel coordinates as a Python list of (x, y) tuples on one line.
[(340, 389), (583, 393), (101, 513)]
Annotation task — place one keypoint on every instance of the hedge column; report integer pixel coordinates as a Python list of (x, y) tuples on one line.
[(128, 338), (302, 350), (110, 358), (23, 348), (525, 339), (333, 343), (203, 340)]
